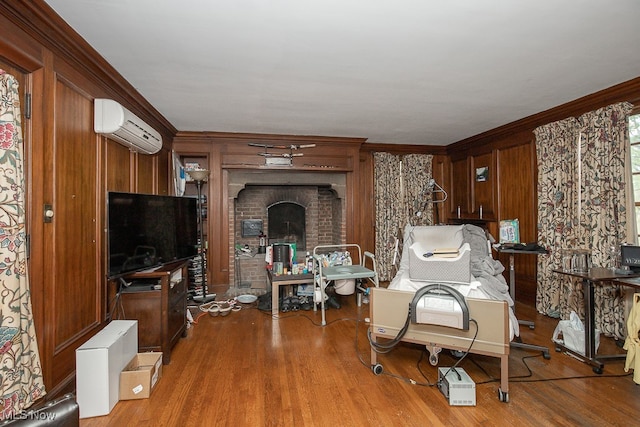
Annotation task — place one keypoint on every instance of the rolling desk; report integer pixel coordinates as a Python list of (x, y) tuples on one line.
[(512, 292), (590, 280)]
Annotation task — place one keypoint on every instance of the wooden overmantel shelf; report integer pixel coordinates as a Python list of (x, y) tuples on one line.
[(294, 167)]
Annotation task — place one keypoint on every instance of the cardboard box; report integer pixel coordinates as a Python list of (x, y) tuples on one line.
[(99, 362), (140, 376)]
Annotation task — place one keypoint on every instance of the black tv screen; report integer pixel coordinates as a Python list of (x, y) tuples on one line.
[(147, 230)]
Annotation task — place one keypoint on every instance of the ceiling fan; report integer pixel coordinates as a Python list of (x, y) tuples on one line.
[(280, 159)]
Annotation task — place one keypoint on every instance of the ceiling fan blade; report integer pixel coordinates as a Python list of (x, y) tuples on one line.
[(294, 146)]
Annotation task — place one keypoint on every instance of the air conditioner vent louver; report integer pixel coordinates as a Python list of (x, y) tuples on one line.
[(118, 123)]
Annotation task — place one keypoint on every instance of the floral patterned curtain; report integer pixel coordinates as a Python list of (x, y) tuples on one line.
[(399, 182), (416, 172), (557, 209), (20, 370), (389, 210), (582, 189)]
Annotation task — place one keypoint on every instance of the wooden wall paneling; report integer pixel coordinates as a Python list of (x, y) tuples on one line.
[(223, 256), (43, 150), (460, 192), (195, 148), (153, 173), (163, 167), (118, 171), (355, 202), (118, 167), (482, 192), (367, 216), (145, 174), (218, 221), (72, 293), (336, 163), (66, 263), (517, 198)]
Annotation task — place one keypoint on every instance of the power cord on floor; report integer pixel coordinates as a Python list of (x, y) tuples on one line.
[(522, 378), (466, 353), (368, 365), (301, 313), (517, 378)]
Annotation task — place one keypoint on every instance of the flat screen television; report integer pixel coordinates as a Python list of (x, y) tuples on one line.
[(145, 231)]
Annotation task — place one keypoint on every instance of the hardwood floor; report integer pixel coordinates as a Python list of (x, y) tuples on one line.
[(249, 369)]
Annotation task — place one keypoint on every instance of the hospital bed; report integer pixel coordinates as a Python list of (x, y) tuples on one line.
[(388, 311), (486, 296), (325, 271)]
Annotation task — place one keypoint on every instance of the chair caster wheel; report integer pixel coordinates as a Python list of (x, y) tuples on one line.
[(377, 369), (433, 359), (597, 370), (546, 355), (502, 396)]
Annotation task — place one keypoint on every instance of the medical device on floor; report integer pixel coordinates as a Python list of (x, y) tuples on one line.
[(435, 304), (457, 386), (440, 305)]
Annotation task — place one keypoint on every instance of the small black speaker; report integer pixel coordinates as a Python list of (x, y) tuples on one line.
[(281, 254)]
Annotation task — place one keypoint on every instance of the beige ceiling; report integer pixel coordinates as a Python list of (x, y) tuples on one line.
[(392, 71)]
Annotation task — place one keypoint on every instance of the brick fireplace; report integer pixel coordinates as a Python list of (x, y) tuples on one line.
[(317, 199)]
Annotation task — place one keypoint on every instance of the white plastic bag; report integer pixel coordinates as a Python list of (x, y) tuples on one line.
[(570, 333)]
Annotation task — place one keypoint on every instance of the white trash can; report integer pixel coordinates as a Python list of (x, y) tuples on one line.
[(345, 286)]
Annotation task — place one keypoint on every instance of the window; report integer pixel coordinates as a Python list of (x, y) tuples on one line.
[(634, 139)]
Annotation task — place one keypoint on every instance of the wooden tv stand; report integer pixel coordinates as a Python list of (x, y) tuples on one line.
[(158, 301)]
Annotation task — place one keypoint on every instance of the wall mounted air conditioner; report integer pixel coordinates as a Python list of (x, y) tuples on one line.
[(118, 123)]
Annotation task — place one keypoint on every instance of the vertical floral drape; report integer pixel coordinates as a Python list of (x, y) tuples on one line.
[(20, 370), (399, 184), (582, 189), (416, 173)]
